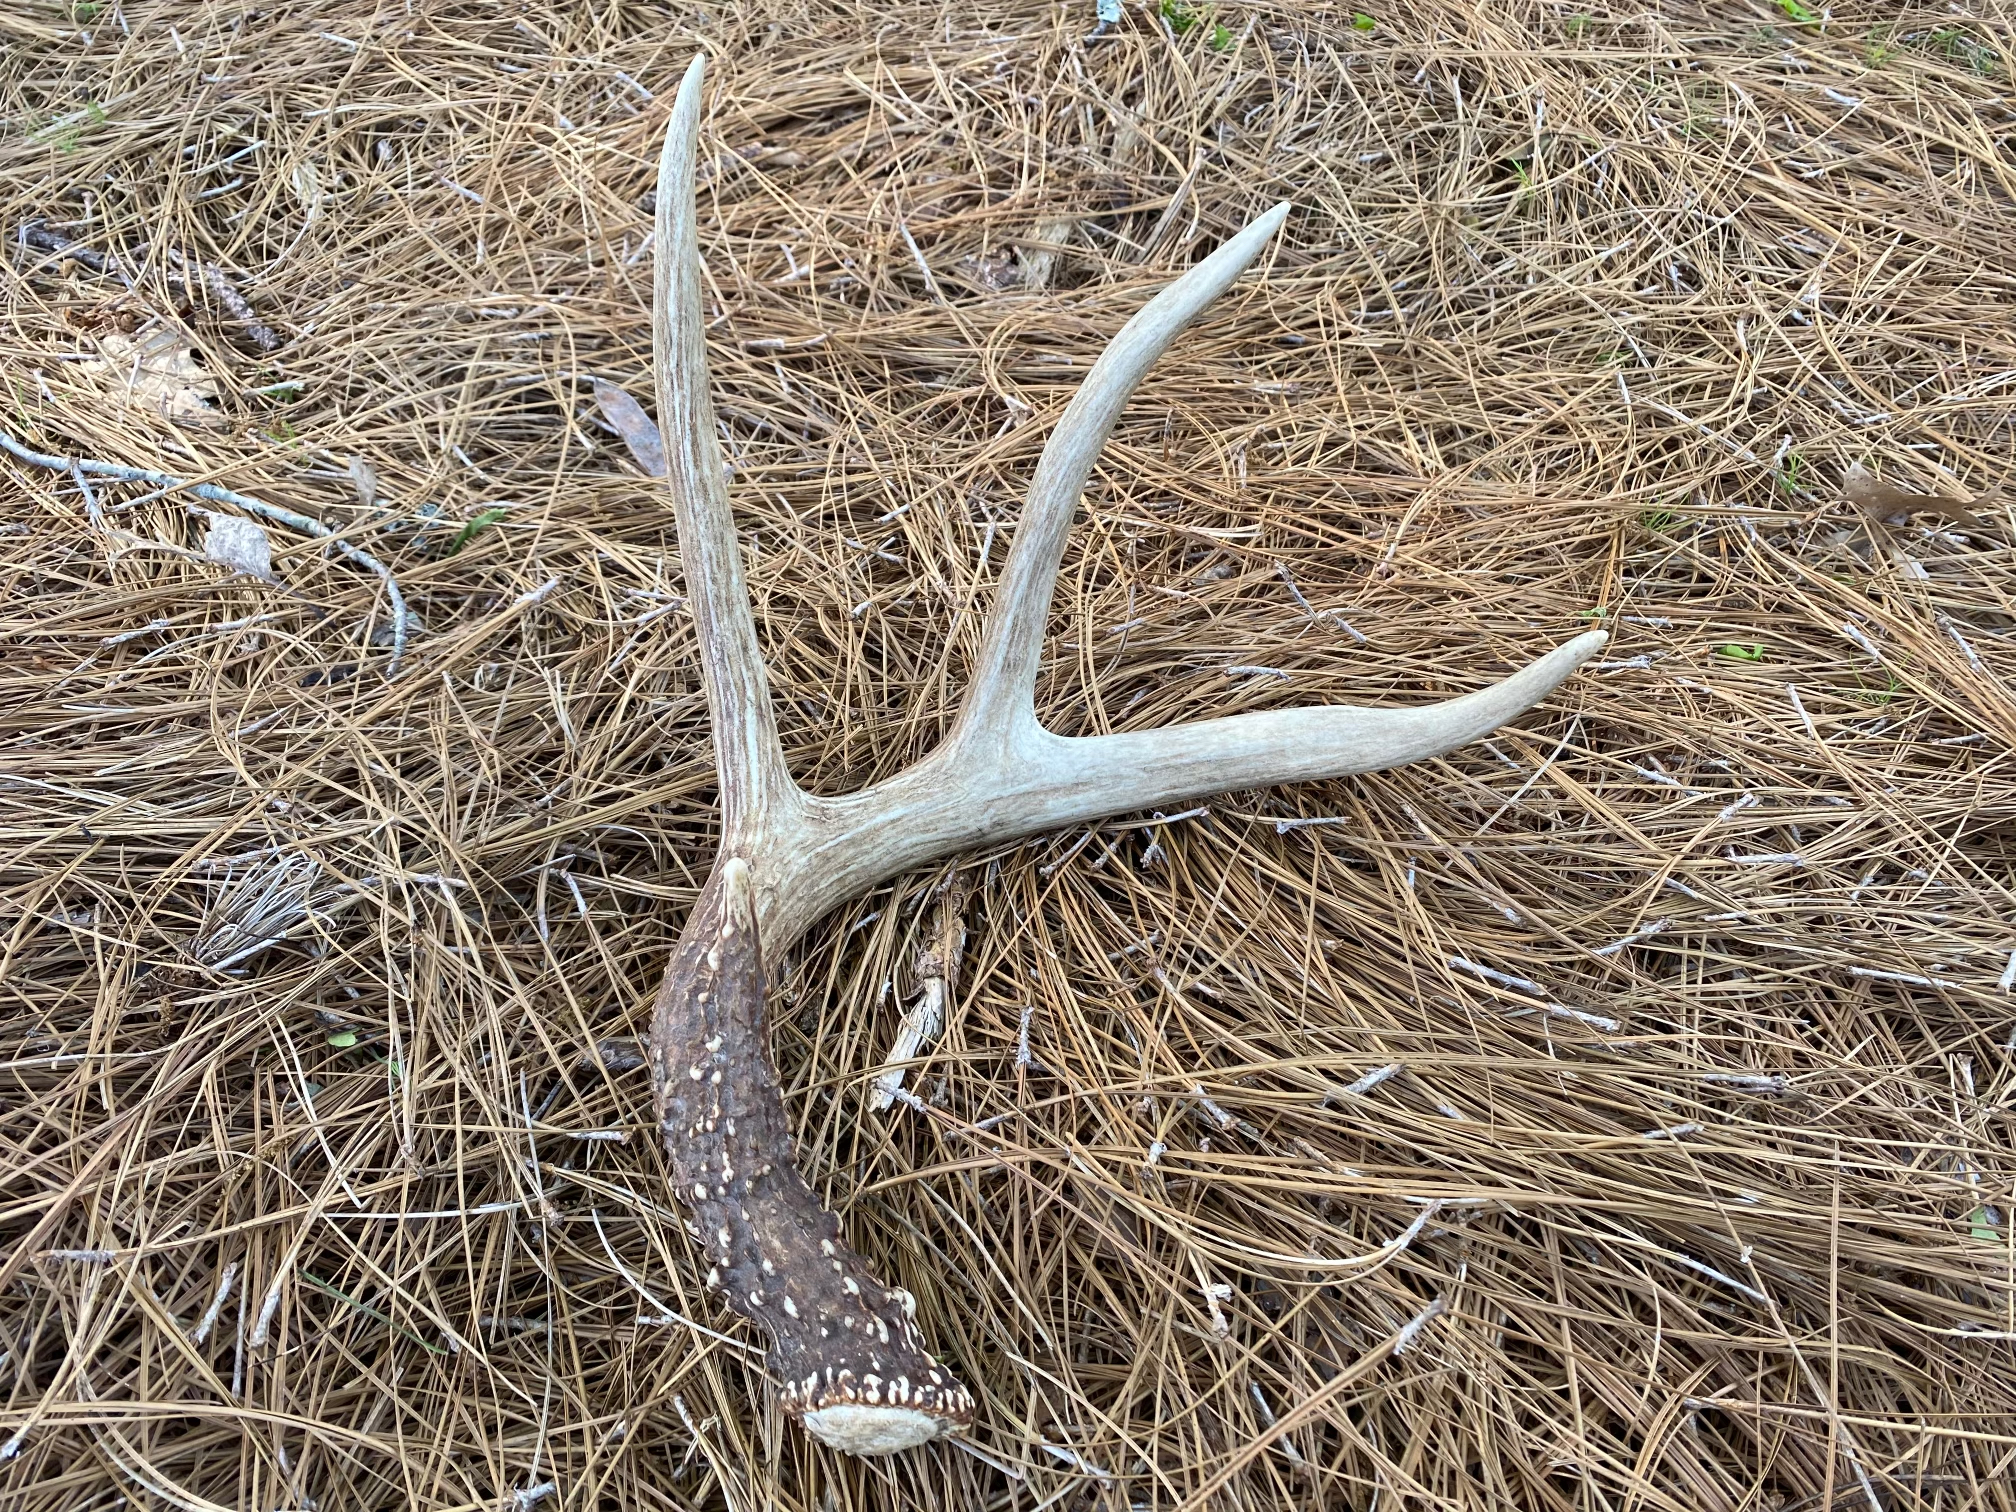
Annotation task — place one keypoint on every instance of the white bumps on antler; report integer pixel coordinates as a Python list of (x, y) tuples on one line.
[(846, 1354)]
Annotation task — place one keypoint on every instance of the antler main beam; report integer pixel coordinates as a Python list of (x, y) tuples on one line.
[(845, 1351)]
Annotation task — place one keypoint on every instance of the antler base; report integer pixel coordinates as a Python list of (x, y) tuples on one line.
[(848, 1357)]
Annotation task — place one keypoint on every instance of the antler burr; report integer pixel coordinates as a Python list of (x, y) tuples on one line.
[(846, 1354)]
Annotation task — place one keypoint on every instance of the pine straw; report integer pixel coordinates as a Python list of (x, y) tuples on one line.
[(1579, 316)]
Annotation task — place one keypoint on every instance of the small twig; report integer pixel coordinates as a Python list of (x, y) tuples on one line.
[(36, 234), (1773, 1085), (193, 274), (216, 495), (917, 255), (1411, 1329), (1368, 1081), (1632, 939), (1503, 979), (210, 1316)]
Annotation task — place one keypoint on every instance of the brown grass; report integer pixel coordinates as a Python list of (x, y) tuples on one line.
[(1582, 313)]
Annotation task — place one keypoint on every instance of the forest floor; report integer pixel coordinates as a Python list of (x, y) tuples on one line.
[(1666, 1039)]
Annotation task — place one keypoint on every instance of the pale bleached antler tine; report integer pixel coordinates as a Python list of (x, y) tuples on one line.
[(1052, 782), (746, 750), (1001, 702), (1150, 768)]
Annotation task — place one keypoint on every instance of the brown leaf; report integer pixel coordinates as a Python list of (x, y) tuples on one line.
[(1880, 501), (639, 432)]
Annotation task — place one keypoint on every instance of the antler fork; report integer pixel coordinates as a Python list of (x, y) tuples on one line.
[(845, 1352)]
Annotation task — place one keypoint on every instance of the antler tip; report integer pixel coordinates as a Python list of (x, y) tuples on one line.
[(1254, 235), (1560, 664), (685, 120)]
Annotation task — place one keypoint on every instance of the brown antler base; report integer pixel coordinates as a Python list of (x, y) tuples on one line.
[(851, 1362)]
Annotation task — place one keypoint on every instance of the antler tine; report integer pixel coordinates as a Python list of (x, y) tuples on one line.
[(845, 1352), (1002, 701), (1147, 768), (754, 779), (1049, 781)]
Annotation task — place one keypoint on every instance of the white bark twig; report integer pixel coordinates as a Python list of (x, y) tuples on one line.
[(169, 483)]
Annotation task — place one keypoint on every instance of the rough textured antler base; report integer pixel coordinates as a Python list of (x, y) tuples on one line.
[(847, 1357), (850, 1361)]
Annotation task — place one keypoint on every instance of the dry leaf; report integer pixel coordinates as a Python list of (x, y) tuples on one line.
[(1038, 257), (1880, 501), (307, 186), (158, 370), (626, 417), (365, 481), (241, 545)]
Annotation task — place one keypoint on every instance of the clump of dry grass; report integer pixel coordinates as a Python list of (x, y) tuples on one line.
[(1665, 1040)]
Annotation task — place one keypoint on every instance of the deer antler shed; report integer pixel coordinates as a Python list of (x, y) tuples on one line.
[(845, 1352)]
